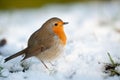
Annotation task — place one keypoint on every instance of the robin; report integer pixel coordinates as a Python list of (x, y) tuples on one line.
[(46, 43)]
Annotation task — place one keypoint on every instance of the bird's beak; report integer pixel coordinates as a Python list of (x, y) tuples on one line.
[(64, 23)]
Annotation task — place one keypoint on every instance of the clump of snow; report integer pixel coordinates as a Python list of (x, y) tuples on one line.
[(90, 34)]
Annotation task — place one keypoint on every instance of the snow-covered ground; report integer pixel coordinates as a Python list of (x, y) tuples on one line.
[(93, 30)]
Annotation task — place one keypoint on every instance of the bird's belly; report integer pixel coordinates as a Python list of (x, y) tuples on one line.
[(51, 53)]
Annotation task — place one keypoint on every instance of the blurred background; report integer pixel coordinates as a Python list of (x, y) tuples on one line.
[(21, 4)]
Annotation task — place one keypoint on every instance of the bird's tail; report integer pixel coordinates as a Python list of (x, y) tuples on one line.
[(15, 55)]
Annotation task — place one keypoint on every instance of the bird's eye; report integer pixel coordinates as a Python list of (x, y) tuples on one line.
[(56, 24)]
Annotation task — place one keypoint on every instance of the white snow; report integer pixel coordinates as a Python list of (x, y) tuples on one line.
[(91, 33)]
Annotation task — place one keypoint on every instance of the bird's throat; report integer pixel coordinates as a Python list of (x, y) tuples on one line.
[(59, 31)]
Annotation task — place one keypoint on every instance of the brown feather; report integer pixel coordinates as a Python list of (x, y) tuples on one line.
[(15, 55)]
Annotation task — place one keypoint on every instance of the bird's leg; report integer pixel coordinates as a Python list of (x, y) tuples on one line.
[(52, 64), (50, 71), (44, 65)]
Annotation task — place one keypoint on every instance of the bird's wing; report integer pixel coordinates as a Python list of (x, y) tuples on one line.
[(38, 43), (33, 51)]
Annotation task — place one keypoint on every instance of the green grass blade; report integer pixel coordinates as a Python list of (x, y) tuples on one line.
[(113, 63)]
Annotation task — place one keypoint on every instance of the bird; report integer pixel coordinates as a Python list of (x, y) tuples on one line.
[(47, 43)]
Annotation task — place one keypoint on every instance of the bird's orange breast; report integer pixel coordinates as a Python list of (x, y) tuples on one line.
[(59, 31)]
